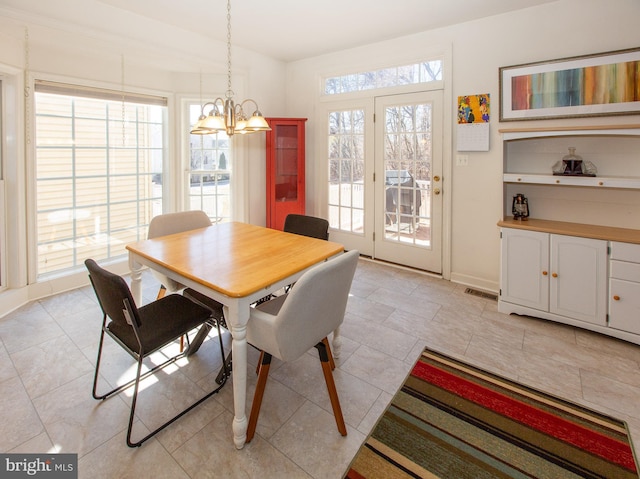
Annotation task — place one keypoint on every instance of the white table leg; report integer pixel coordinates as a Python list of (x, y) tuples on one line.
[(136, 280), (336, 344), (238, 315)]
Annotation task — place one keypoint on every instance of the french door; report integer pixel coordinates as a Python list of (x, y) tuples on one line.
[(385, 178)]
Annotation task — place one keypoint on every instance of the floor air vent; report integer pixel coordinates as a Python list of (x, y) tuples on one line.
[(481, 294)]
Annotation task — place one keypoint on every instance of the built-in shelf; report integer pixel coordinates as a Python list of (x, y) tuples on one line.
[(587, 181), (541, 132), (532, 164)]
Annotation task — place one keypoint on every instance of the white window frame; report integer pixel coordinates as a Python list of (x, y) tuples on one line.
[(49, 284)]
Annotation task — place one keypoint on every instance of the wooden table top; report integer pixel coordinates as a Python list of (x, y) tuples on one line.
[(236, 259)]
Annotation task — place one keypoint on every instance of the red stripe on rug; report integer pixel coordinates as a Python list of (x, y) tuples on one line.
[(353, 474), (574, 434)]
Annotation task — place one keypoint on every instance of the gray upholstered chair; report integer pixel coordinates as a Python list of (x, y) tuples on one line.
[(288, 326), (143, 331), (170, 223)]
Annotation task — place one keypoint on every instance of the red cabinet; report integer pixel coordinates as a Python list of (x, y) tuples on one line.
[(285, 169)]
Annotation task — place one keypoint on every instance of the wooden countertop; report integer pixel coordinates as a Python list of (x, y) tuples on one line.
[(609, 233)]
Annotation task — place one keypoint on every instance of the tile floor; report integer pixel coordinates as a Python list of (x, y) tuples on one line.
[(48, 351)]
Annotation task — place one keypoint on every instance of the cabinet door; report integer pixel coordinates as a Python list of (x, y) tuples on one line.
[(285, 146), (525, 259), (578, 286), (624, 305)]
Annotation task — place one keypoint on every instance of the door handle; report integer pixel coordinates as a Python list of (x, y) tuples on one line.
[(616, 297)]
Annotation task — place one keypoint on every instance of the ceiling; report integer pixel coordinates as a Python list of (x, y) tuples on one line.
[(286, 30)]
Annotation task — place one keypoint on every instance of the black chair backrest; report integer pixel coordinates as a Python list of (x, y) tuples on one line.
[(307, 226), (111, 291)]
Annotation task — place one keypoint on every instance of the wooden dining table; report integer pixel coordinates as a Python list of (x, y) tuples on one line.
[(236, 264)]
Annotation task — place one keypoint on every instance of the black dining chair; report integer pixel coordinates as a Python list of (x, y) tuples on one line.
[(143, 331), (307, 226)]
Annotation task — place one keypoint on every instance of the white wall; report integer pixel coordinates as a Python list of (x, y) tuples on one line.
[(164, 61), (561, 29)]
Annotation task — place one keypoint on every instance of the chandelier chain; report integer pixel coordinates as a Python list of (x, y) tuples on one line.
[(227, 115), (229, 90)]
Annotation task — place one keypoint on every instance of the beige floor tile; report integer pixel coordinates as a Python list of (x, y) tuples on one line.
[(77, 423), (311, 440), (150, 460), (393, 342), (212, 454), (608, 392), (27, 327), (18, 417), (46, 366), (376, 368)]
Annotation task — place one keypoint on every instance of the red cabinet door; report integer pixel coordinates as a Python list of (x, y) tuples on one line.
[(285, 169)]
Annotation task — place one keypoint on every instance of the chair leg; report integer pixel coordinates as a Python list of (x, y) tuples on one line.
[(331, 361), (134, 400), (225, 370), (140, 377), (263, 374), (331, 387), (161, 292)]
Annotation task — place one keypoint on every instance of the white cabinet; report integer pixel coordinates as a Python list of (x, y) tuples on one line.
[(624, 287), (578, 284), (555, 266), (557, 277), (525, 268)]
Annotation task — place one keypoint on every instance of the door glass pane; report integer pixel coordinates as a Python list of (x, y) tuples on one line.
[(346, 170), (286, 167), (407, 162)]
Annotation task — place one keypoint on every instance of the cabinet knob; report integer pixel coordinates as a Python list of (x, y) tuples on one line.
[(557, 181), (555, 275), (600, 183), (436, 191), (544, 273), (519, 179), (436, 178), (616, 297)]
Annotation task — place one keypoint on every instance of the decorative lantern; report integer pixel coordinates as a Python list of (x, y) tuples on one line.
[(520, 207)]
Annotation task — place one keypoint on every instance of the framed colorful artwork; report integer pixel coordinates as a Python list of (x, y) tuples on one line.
[(592, 85)]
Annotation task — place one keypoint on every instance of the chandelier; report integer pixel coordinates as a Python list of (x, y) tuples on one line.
[(226, 115)]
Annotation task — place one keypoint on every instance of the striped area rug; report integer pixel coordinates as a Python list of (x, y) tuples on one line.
[(451, 420)]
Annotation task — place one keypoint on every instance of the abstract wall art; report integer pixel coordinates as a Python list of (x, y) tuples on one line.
[(592, 85)]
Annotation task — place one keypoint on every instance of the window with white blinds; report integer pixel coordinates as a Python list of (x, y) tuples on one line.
[(99, 158)]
